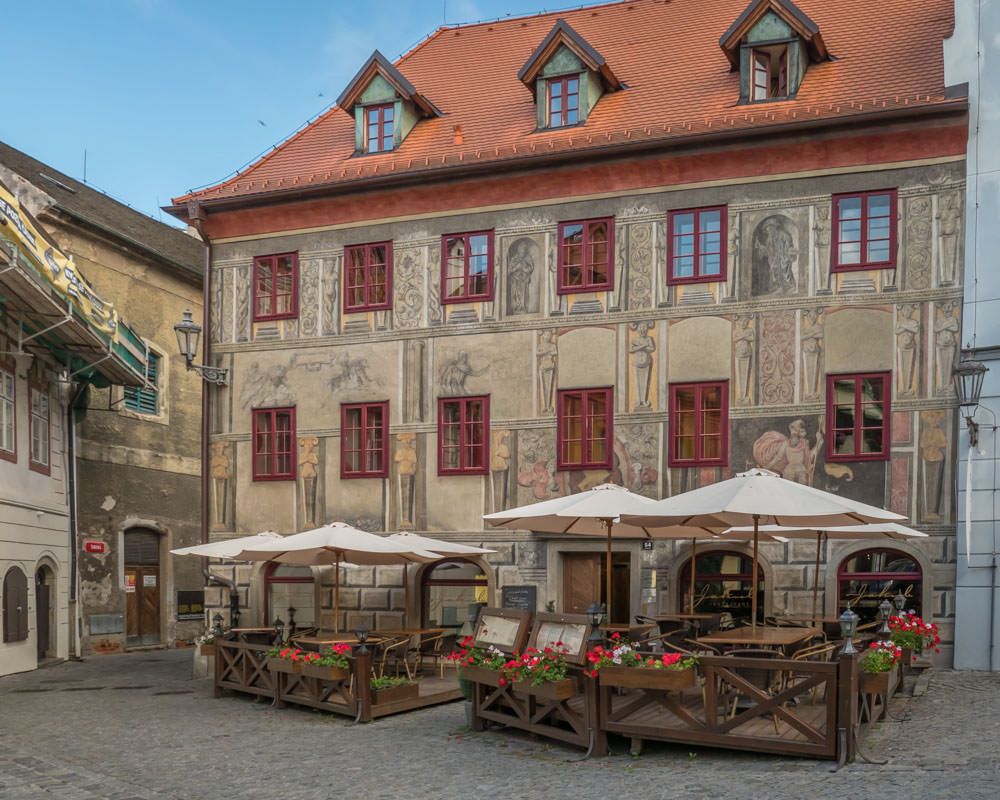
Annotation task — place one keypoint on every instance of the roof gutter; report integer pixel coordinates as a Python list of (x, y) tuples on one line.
[(180, 211)]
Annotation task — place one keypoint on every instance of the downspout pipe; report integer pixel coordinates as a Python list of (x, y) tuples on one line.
[(75, 622), (197, 216)]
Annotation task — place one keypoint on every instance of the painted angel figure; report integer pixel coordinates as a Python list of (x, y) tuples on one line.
[(790, 456)]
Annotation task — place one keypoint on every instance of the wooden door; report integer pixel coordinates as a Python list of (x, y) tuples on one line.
[(142, 604), (581, 581), (42, 606)]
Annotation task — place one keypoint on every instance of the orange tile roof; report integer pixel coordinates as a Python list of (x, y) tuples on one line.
[(887, 55)]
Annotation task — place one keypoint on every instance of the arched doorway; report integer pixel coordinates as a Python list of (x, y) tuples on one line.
[(451, 593), (289, 587), (142, 587), (722, 584), (15, 605), (45, 608), (866, 578)]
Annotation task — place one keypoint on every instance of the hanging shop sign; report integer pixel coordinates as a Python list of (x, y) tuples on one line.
[(95, 546)]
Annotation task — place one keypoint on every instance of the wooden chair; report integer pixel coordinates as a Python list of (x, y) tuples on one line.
[(768, 680), (701, 647)]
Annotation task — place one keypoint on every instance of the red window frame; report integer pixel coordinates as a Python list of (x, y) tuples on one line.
[(8, 369), (863, 242), (380, 125), (468, 279), (365, 428), (586, 257), (466, 447), (262, 292), (699, 252), (586, 428), (699, 434), (559, 90), (272, 473), (366, 272), (33, 465), (858, 427)]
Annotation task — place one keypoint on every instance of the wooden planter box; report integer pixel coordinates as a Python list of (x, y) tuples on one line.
[(648, 678), (488, 677), (552, 690), (392, 694), (879, 682), (283, 665), (326, 673), (206, 650)]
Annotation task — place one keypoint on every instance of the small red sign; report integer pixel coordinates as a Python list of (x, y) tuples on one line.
[(94, 546)]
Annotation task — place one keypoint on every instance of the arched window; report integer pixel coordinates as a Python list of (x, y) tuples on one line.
[(867, 578), (289, 587), (15, 606), (722, 584), (452, 592)]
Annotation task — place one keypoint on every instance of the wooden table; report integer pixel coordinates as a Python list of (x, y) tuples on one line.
[(763, 636), (694, 620)]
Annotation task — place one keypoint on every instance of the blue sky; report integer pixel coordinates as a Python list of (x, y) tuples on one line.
[(169, 95)]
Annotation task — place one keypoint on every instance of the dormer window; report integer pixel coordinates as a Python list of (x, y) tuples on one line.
[(385, 106), (770, 72), (771, 45), (380, 122), (564, 101), (567, 77)]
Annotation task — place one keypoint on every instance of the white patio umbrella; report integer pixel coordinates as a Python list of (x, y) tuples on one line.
[(439, 546), (757, 497), (875, 530), (335, 543), (227, 548), (594, 512)]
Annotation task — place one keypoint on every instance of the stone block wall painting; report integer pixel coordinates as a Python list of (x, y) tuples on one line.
[(503, 446), (949, 219), (775, 258), (524, 271), (309, 297), (908, 350), (822, 233), (947, 328), (639, 451), (536, 465), (220, 465), (934, 486), (917, 242), (777, 358), (408, 288), (547, 362), (795, 448), (310, 487), (744, 358), (640, 265), (414, 386), (642, 366), (330, 271), (454, 373), (811, 342), (243, 300), (405, 462)]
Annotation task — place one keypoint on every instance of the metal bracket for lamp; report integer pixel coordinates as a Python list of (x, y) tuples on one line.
[(217, 375)]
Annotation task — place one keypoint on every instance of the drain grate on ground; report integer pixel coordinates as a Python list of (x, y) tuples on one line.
[(175, 691), (29, 691), (62, 680), (130, 688), (81, 689)]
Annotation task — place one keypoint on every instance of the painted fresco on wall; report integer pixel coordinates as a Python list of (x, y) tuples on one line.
[(220, 465), (775, 258), (795, 448), (502, 452), (946, 337), (524, 272), (536, 465), (908, 349), (642, 352), (934, 488), (269, 385), (405, 461), (547, 359), (454, 373), (310, 485)]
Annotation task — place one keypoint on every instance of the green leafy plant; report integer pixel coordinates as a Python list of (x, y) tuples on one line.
[(390, 682)]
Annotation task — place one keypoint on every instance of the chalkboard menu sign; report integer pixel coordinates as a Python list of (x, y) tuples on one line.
[(190, 604), (523, 597)]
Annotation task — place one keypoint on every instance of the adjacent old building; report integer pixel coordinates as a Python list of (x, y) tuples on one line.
[(645, 242), (58, 338), (137, 450)]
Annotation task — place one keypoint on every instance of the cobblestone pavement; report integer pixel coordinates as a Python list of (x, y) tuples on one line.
[(137, 726)]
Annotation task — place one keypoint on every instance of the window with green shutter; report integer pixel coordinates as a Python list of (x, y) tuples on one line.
[(146, 401)]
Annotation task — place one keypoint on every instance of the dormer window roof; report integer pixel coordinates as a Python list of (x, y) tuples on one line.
[(567, 76), (771, 44), (384, 105)]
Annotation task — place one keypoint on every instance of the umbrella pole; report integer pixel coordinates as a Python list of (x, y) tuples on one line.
[(753, 588), (336, 596), (607, 565), (694, 566), (819, 546)]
